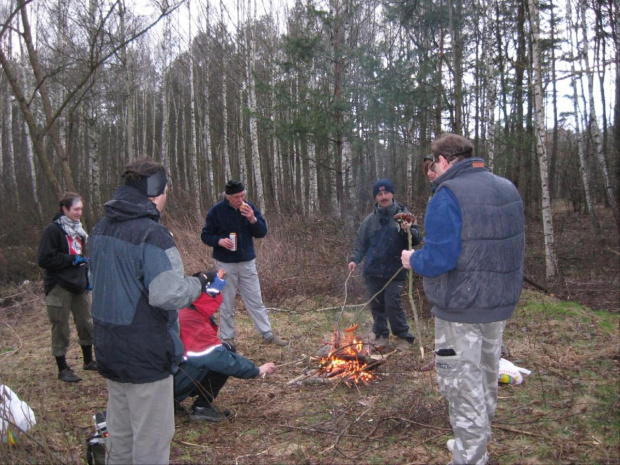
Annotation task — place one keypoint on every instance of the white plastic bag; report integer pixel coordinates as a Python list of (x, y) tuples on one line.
[(13, 413), (509, 373)]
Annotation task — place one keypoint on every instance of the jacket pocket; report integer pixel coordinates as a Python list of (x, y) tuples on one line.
[(55, 310)]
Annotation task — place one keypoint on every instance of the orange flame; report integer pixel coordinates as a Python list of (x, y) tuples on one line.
[(346, 359)]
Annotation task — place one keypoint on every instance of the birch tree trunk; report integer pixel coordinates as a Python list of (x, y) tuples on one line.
[(540, 131), (9, 156), (33, 172), (593, 124), (583, 163), (313, 194), (194, 179), (256, 162), (127, 87), (491, 87)]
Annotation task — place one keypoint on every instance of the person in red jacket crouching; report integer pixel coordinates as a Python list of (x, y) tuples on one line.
[(207, 361)]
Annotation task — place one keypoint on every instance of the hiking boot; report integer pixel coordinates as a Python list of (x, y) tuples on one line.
[(68, 376), (92, 366), (404, 345), (450, 444), (209, 413), (275, 340)]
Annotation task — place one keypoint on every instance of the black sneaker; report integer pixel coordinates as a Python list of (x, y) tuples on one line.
[(209, 413), (92, 366), (68, 376)]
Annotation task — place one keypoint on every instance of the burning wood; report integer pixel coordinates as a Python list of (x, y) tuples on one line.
[(348, 361)]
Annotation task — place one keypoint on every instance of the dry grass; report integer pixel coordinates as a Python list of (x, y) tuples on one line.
[(566, 412)]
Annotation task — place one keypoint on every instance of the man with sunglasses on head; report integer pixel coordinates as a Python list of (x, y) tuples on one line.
[(472, 263)]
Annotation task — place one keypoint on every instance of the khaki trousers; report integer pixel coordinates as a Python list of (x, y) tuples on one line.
[(60, 305), (140, 420)]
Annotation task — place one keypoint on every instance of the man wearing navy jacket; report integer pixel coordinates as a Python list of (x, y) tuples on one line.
[(235, 215), (472, 263)]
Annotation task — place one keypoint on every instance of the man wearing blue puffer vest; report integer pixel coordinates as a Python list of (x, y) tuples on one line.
[(472, 263)]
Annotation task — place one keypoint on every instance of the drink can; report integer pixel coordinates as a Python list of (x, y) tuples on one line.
[(233, 238)]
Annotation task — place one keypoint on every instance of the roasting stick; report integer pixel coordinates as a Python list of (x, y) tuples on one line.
[(412, 303), (344, 304)]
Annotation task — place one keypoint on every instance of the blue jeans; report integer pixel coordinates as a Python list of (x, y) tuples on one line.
[(387, 307)]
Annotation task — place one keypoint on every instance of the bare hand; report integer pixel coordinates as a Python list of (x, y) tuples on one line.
[(221, 272), (352, 266), (226, 243), (266, 368), (248, 212), (405, 258), (405, 225)]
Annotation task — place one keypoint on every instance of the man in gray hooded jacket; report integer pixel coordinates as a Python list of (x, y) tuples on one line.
[(138, 285), (472, 263)]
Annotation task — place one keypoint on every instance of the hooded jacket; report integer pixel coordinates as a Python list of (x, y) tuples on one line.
[(138, 285), (380, 241), (472, 260), (55, 255)]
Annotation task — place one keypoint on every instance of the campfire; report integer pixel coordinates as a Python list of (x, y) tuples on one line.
[(348, 360)]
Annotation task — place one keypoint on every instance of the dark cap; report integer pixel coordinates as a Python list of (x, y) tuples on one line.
[(382, 185), (234, 187)]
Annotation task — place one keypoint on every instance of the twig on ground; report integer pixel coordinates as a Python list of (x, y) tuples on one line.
[(344, 430), (21, 343), (424, 425)]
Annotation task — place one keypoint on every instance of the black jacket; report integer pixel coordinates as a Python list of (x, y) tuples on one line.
[(56, 259)]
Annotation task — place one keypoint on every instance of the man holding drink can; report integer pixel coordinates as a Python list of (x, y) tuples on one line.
[(230, 228)]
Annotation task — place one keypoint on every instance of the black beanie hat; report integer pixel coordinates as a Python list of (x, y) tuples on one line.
[(382, 185), (234, 187)]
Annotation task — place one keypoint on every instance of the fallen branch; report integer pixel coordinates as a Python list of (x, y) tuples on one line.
[(536, 285)]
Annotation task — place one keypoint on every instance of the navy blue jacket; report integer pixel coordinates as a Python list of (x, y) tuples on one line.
[(138, 285), (224, 219), (380, 241)]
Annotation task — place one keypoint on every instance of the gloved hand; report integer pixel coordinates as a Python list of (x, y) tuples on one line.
[(89, 288), (215, 287), (79, 260)]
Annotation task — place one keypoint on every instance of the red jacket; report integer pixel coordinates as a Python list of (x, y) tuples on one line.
[(198, 332)]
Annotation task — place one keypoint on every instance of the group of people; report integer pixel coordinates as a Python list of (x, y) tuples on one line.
[(153, 327)]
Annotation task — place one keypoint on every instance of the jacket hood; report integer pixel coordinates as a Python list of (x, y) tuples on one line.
[(128, 204)]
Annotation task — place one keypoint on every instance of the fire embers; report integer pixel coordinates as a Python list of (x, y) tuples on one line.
[(349, 360), (345, 359)]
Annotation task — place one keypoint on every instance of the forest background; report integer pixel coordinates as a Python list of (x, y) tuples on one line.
[(306, 103)]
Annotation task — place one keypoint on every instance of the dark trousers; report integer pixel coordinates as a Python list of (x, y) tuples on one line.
[(198, 381), (387, 307)]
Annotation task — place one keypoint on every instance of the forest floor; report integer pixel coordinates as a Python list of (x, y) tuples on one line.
[(566, 411)]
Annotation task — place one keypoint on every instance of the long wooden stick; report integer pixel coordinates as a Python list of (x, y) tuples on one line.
[(412, 303)]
